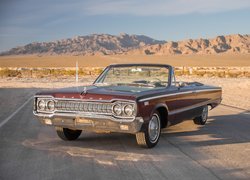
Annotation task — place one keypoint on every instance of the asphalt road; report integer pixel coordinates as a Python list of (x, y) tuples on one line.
[(29, 150)]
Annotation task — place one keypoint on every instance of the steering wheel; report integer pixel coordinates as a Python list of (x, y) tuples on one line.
[(140, 82)]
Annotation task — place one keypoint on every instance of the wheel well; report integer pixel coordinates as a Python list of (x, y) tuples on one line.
[(164, 116)]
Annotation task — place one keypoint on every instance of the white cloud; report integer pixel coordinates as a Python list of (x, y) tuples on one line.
[(162, 7)]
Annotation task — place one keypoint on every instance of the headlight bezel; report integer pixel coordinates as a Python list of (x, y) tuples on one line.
[(47, 108), (123, 105)]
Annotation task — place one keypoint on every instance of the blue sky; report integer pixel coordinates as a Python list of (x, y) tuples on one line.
[(25, 21)]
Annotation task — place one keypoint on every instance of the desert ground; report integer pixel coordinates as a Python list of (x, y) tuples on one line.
[(30, 150), (219, 60), (236, 91)]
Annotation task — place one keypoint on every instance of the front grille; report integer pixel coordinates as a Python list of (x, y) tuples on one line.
[(88, 107)]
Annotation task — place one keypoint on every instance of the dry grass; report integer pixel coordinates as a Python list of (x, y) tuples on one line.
[(102, 61), (48, 72), (223, 72)]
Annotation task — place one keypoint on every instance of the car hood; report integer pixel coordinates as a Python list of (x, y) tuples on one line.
[(96, 93)]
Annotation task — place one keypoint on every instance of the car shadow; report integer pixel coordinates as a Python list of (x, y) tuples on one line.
[(219, 130), (180, 144)]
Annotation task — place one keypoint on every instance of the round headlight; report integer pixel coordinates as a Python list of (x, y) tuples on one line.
[(117, 109), (128, 109), (51, 105), (41, 105)]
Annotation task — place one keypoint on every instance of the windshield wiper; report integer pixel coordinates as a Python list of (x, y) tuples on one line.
[(136, 84), (125, 84), (102, 84)]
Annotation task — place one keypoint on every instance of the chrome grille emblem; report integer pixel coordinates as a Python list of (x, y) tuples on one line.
[(84, 92), (83, 106)]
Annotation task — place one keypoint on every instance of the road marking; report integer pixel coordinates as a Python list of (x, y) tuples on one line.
[(15, 112), (234, 107)]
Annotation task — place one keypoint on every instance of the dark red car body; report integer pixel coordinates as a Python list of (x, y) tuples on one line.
[(174, 103)]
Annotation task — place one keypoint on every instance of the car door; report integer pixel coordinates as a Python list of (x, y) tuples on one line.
[(180, 103)]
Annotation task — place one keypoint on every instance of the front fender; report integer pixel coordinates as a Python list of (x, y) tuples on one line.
[(149, 111)]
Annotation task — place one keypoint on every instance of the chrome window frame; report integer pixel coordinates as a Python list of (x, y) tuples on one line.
[(103, 74)]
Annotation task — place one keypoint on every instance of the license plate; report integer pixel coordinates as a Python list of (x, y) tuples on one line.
[(84, 121)]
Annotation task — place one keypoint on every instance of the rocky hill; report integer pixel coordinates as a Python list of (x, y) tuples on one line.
[(102, 44), (105, 44), (221, 44)]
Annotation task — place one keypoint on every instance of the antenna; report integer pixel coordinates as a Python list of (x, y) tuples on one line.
[(76, 72)]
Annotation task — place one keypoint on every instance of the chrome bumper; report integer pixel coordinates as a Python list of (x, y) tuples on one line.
[(93, 124)]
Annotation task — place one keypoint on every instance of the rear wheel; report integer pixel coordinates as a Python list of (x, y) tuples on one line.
[(150, 137), (68, 134), (202, 119)]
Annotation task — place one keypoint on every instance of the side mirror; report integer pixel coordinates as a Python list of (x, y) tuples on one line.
[(180, 84)]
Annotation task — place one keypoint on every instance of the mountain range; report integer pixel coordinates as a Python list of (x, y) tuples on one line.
[(221, 44), (105, 44), (95, 44)]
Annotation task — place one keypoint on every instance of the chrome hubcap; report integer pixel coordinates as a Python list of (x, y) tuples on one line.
[(204, 113), (154, 128)]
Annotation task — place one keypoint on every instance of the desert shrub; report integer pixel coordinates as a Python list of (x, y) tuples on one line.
[(208, 74), (26, 73), (97, 71), (246, 74), (10, 73), (200, 73), (57, 72), (36, 73), (178, 73), (70, 72), (46, 71), (82, 72), (185, 72), (233, 74), (219, 73)]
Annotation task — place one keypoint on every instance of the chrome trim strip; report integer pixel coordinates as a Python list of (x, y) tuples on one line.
[(191, 107), (90, 115), (165, 95), (88, 100), (178, 93), (204, 90)]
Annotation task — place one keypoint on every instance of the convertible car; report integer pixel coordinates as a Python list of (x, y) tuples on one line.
[(130, 98)]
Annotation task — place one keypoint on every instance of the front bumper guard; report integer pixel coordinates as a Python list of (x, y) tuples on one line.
[(93, 124)]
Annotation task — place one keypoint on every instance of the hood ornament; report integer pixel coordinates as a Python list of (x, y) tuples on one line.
[(84, 92)]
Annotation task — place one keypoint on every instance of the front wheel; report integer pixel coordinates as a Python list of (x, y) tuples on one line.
[(68, 134), (202, 119), (150, 137)]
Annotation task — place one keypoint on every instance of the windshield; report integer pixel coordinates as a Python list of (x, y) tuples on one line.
[(140, 76)]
